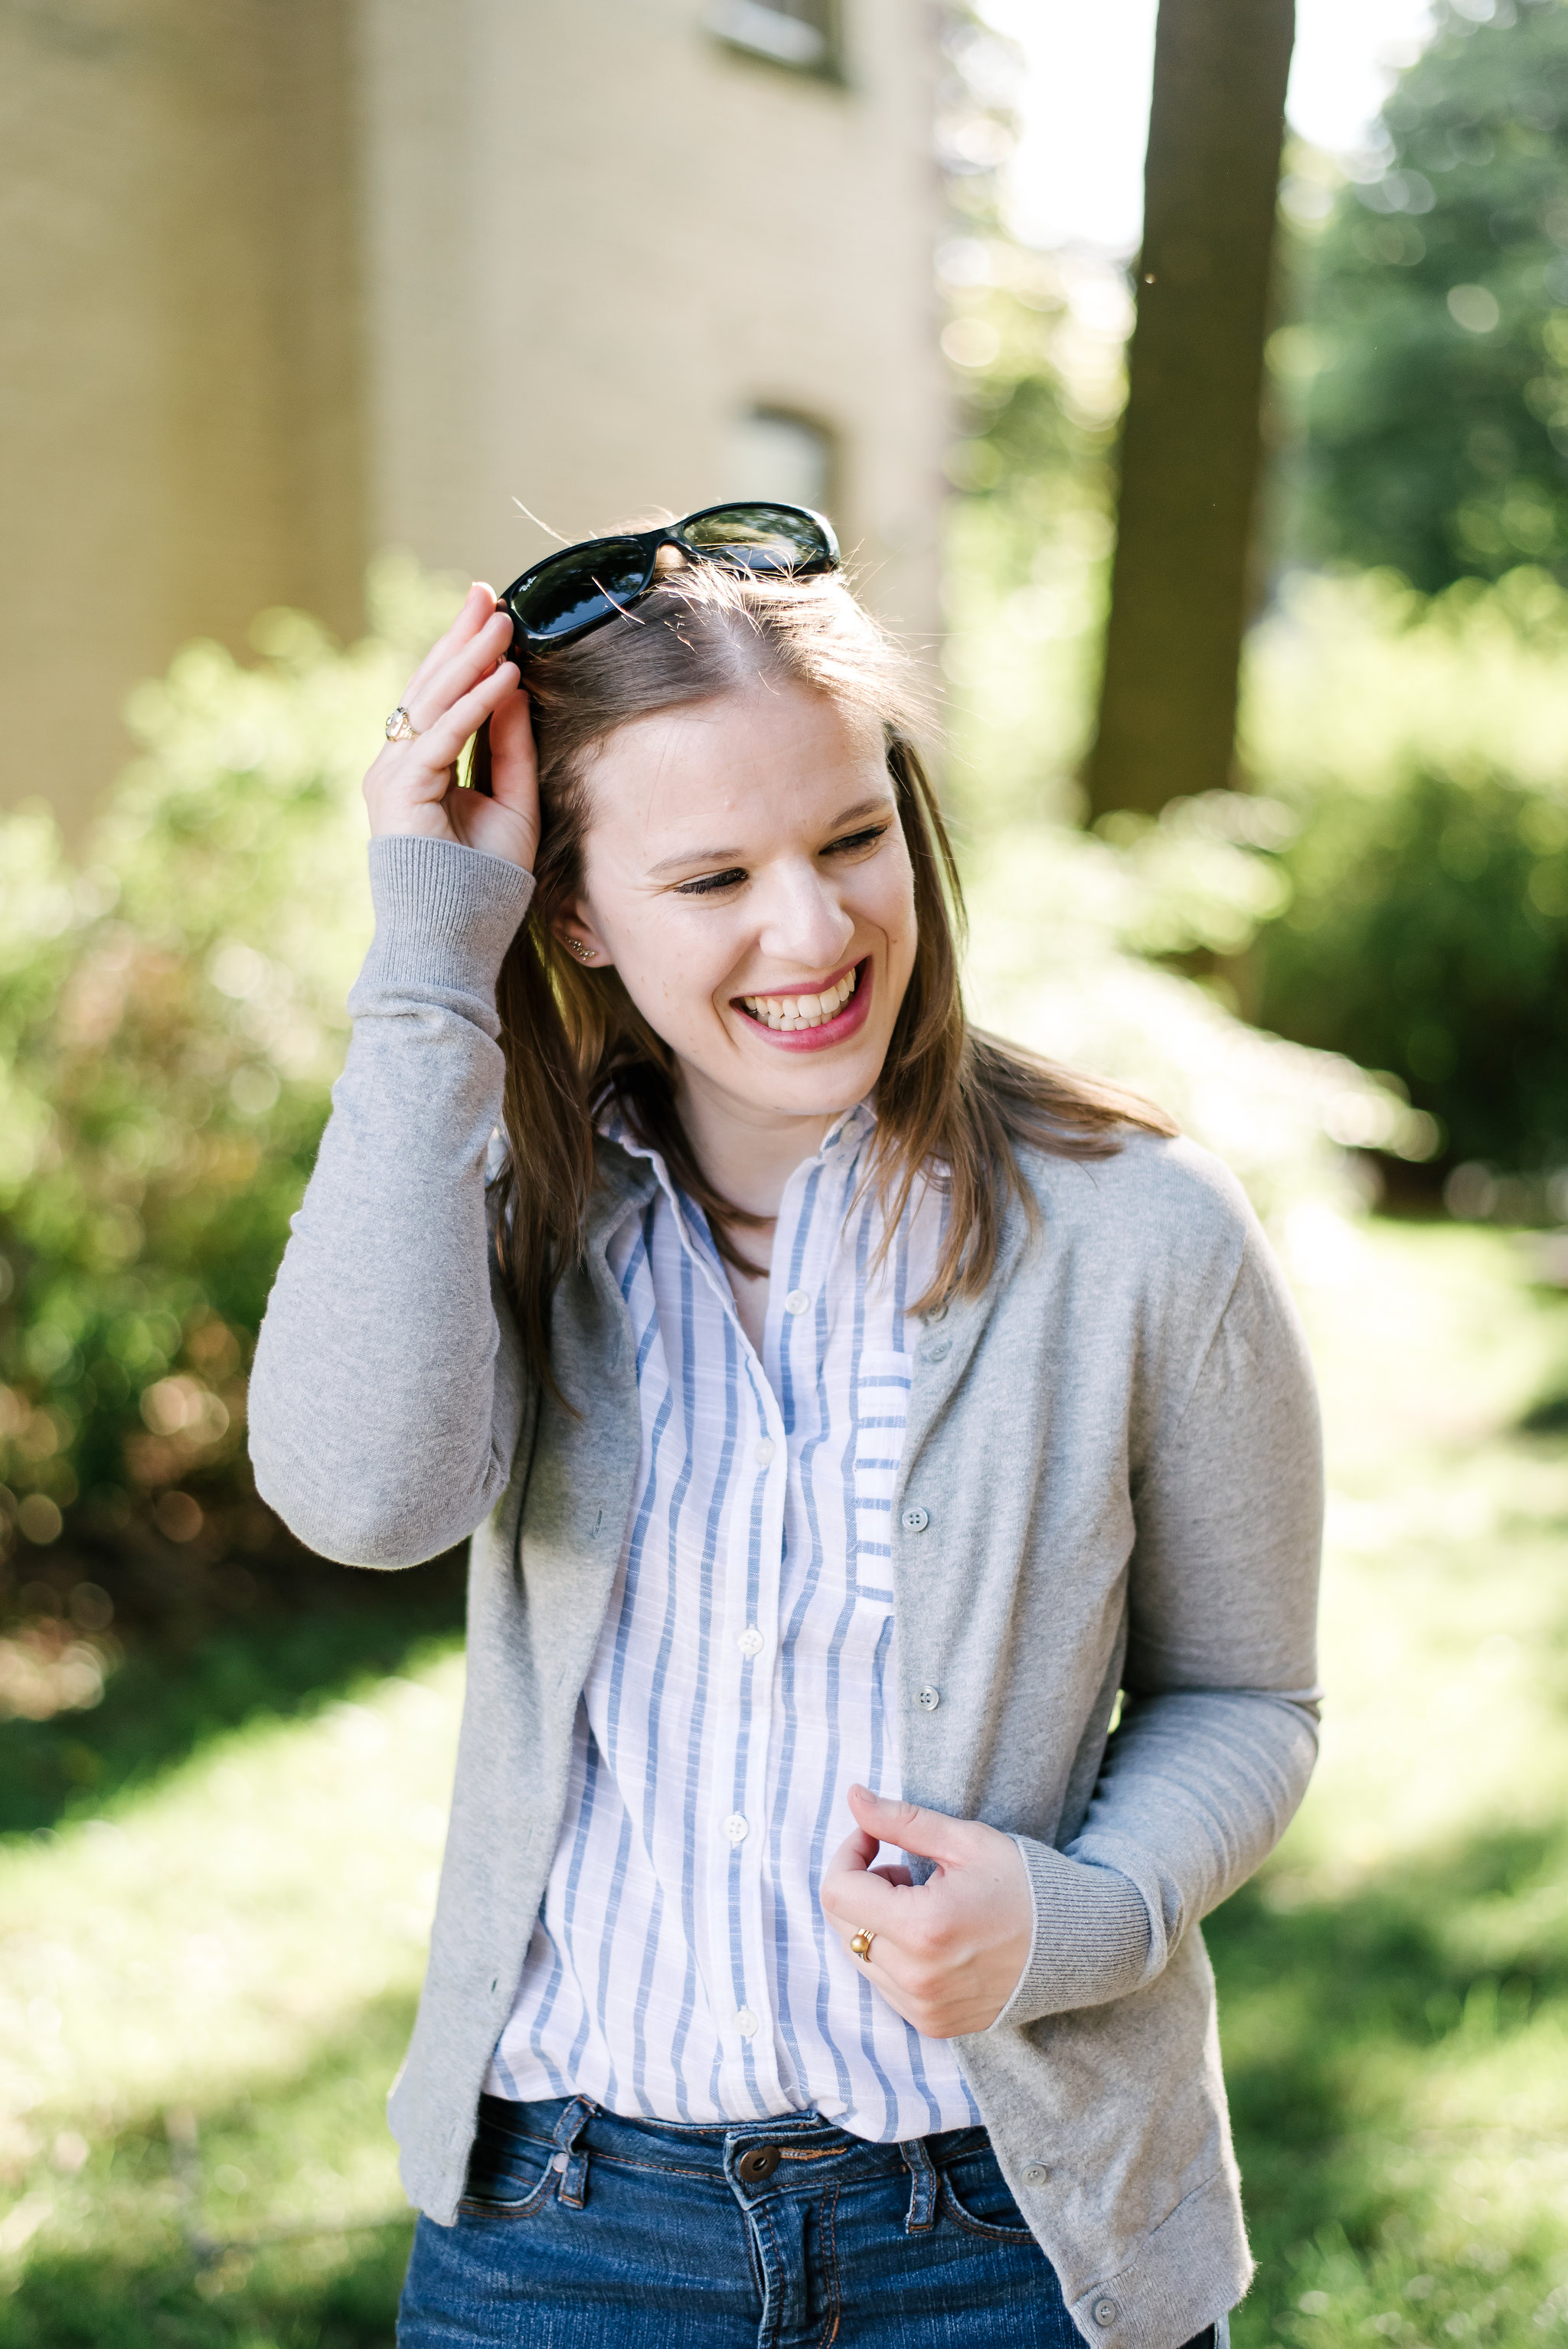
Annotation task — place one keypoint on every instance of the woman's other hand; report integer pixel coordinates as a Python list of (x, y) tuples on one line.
[(413, 786), (949, 1953)]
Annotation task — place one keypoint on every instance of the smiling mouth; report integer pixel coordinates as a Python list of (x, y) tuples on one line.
[(788, 1014)]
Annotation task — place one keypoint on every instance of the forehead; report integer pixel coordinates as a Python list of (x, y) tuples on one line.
[(769, 754)]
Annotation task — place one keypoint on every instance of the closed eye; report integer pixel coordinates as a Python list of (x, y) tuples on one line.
[(709, 884), (709, 881)]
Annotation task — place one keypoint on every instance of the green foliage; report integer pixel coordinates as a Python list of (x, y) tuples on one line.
[(170, 1021), (1419, 748), (1432, 354)]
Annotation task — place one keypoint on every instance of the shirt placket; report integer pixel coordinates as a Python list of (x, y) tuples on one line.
[(729, 1829), (759, 1524)]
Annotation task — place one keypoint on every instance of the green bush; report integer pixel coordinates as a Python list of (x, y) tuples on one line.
[(1422, 748), (170, 1023)]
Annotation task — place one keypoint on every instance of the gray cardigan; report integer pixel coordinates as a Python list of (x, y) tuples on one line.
[(1112, 1462)]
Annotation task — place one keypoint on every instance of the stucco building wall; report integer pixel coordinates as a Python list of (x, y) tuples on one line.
[(289, 280)]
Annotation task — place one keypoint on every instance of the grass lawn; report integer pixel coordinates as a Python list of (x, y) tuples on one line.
[(205, 1992)]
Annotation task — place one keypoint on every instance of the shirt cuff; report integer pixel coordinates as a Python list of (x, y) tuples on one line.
[(1091, 1936), (445, 915)]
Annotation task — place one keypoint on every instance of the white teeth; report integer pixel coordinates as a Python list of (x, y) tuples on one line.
[(785, 1014)]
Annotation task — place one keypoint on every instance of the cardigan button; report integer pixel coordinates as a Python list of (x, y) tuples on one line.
[(1105, 2312), (916, 1520), (930, 1698), (935, 1348), (1036, 2174)]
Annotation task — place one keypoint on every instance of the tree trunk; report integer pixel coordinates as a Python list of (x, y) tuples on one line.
[(1190, 440)]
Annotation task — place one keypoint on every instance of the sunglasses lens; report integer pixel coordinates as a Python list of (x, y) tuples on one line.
[(764, 538), (576, 591)]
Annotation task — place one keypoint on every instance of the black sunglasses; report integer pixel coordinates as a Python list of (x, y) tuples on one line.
[(568, 594)]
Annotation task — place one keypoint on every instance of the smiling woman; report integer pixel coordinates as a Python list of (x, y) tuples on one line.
[(847, 1409)]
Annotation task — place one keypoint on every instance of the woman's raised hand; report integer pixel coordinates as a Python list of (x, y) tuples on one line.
[(413, 787), (946, 1954)]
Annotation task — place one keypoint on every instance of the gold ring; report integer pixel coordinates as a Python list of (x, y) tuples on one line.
[(861, 1946), (400, 727)]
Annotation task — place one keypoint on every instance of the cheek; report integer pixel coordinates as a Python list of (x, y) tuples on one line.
[(672, 966), (889, 902)]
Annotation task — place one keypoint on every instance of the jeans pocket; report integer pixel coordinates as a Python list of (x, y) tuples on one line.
[(510, 2176), (976, 2193)]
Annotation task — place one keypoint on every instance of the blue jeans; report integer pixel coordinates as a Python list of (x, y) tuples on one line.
[(583, 2231)]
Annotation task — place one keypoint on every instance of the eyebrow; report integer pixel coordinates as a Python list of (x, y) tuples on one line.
[(876, 806)]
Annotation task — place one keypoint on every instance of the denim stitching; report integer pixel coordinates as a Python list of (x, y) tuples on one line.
[(979, 2226), (830, 2265)]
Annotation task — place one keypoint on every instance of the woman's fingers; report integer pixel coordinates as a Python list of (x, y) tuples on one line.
[(478, 607), (428, 703), (854, 1893), (440, 744)]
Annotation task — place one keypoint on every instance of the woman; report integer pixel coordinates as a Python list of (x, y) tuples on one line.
[(849, 1412)]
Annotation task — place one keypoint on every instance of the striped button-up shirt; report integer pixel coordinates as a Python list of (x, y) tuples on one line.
[(681, 1967)]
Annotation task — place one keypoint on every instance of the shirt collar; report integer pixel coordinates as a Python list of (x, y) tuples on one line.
[(841, 1149)]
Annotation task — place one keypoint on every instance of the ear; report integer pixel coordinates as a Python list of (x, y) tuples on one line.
[(581, 940)]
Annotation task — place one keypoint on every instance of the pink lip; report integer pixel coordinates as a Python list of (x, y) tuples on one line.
[(832, 1031)]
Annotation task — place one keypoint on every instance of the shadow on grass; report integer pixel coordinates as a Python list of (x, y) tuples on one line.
[(1329, 2010), (303, 1637), (163, 2251)]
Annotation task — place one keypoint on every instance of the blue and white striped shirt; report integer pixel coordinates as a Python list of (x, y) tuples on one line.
[(681, 1967)]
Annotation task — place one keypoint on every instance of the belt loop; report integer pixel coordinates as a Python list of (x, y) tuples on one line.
[(923, 2187), (570, 2159)]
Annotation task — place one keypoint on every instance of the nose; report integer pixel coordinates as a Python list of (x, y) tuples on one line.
[(803, 925)]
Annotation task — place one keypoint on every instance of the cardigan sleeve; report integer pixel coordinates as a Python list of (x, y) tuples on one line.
[(388, 1385), (1219, 1727)]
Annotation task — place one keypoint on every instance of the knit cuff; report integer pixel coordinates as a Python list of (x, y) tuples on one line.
[(1091, 1938), (445, 915)]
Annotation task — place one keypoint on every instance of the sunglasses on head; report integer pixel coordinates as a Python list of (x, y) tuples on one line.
[(570, 593)]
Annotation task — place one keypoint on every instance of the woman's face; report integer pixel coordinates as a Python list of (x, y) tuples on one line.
[(744, 859)]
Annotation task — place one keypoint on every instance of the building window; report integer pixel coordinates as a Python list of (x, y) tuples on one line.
[(772, 454), (799, 32)]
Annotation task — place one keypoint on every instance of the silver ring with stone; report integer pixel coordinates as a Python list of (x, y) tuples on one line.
[(400, 727)]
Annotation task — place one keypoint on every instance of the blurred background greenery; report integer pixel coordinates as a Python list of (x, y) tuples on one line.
[(222, 1764)]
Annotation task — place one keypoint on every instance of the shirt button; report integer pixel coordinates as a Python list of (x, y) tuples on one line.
[(930, 1698), (914, 1521), (1105, 2312), (764, 1452), (745, 2022), (751, 1642), (737, 1827), (1036, 2174), (797, 1301)]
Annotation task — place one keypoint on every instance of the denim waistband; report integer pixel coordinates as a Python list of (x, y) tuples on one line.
[(734, 2154)]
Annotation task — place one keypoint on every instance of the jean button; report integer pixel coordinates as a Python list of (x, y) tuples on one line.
[(758, 2162)]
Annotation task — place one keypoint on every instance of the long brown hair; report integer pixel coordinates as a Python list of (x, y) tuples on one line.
[(575, 1043)]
